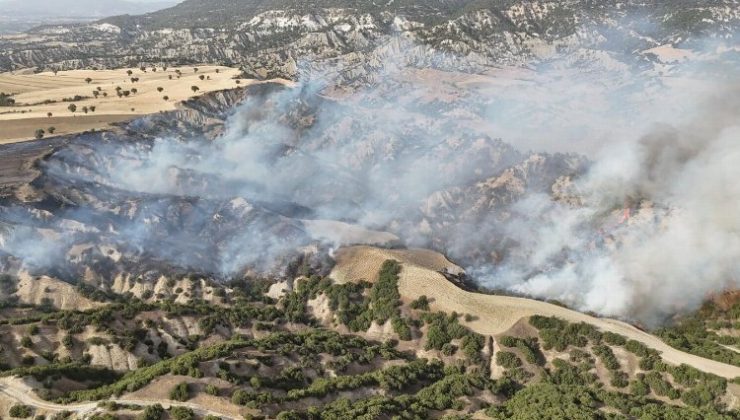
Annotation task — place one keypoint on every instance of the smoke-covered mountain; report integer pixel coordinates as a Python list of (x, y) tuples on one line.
[(271, 37), (554, 149)]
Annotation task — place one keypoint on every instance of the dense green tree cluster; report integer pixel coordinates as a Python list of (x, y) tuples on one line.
[(528, 347), (559, 334), (565, 373), (507, 359), (443, 328), (697, 333), (356, 305), (545, 400)]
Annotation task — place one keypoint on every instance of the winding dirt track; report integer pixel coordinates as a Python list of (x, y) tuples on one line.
[(18, 390), (494, 314)]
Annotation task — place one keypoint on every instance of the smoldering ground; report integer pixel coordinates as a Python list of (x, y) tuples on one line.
[(643, 227)]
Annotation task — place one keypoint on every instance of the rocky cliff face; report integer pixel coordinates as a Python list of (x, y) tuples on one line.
[(275, 38)]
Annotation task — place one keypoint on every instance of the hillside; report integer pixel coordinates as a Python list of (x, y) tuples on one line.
[(270, 38), (391, 344)]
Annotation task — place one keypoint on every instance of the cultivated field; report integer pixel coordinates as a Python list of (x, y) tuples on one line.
[(101, 97)]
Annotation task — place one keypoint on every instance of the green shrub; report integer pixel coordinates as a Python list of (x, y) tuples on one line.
[(180, 392), (421, 304), (507, 359), (181, 413), (152, 412), (211, 389), (20, 411), (606, 355), (614, 339)]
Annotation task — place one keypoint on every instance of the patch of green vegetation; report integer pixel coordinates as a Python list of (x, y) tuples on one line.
[(565, 373), (20, 411), (185, 363), (558, 334), (444, 328), (420, 304), (181, 413), (507, 359), (546, 400), (697, 333), (528, 347), (180, 392), (152, 412), (356, 305)]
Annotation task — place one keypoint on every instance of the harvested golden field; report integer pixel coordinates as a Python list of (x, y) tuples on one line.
[(100, 97)]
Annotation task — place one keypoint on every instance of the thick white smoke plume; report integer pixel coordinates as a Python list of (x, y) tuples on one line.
[(656, 228), (643, 226)]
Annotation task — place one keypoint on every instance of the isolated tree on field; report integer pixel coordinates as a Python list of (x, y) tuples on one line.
[(218, 70), (105, 94), (195, 69), (126, 93), (134, 91), (154, 69), (84, 109), (166, 98), (72, 108), (194, 88), (92, 108), (49, 114), (238, 82), (129, 72), (160, 89), (118, 88), (96, 94), (39, 133), (142, 68), (178, 71), (100, 88), (164, 68), (51, 130), (170, 76), (88, 80), (202, 77)]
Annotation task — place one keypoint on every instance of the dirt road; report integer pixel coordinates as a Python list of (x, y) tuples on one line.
[(21, 392)]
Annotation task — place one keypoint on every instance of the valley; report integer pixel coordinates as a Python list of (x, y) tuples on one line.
[(330, 210)]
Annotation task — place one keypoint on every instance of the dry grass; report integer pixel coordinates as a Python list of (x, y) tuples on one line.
[(363, 262), (62, 295), (31, 91)]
